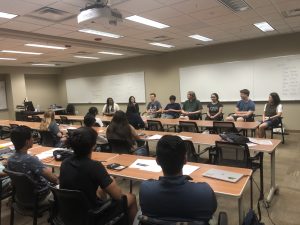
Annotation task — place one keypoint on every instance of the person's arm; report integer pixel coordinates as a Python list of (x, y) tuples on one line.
[(134, 134), (199, 111), (137, 108), (159, 108), (114, 190), (278, 112), (219, 112), (47, 173), (178, 109)]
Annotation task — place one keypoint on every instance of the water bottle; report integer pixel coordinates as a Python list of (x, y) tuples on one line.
[(37, 107)]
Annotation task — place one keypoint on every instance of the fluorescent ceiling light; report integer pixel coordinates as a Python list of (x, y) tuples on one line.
[(147, 22), (100, 33), (8, 59), (111, 53), (7, 15), (43, 64), (201, 38), (264, 26), (19, 52), (162, 45), (46, 46), (85, 57)]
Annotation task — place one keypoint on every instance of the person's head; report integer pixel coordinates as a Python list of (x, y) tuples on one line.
[(110, 101), (171, 155), (191, 95), (244, 93), (274, 98), (214, 97), (89, 120), (83, 141), (21, 137), (119, 117), (93, 111), (152, 97), (131, 100), (172, 98), (49, 115)]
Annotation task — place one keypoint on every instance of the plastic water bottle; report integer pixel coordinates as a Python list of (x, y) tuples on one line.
[(37, 107)]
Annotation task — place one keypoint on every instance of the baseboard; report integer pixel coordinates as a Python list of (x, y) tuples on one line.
[(292, 131)]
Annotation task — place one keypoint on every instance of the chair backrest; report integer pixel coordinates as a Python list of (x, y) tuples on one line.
[(146, 220), (70, 207), (13, 125), (64, 120), (119, 146), (36, 119), (47, 138), (190, 151), (24, 188), (70, 110), (155, 125), (223, 126), (188, 126), (5, 132), (232, 154)]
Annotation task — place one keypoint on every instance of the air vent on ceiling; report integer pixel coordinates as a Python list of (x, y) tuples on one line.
[(51, 14), (159, 38), (291, 13), (236, 5), (65, 62), (82, 53)]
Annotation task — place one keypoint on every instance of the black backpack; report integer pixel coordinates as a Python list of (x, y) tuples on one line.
[(234, 138), (251, 219), (62, 154)]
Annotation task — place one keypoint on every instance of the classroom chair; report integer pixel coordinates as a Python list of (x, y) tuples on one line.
[(25, 197), (188, 126), (238, 155), (47, 138), (146, 220), (4, 193), (5, 132), (64, 120), (155, 125), (71, 207), (280, 126), (70, 109), (223, 126)]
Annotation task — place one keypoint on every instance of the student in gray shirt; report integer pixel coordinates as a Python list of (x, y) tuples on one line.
[(153, 107)]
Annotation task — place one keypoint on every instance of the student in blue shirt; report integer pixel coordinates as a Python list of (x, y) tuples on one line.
[(244, 108), (172, 110), (174, 196)]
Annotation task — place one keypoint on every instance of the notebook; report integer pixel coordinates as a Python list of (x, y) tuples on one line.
[(223, 175)]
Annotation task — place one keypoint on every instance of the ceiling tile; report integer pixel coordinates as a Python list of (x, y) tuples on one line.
[(15, 25)]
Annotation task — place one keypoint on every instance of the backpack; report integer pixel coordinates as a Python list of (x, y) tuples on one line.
[(61, 154), (251, 219), (234, 138)]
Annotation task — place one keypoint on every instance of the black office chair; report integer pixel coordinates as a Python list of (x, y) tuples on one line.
[(26, 196), (70, 109), (65, 120), (154, 125), (191, 154), (47, 138), (280, 126), (71, 207), (238, 155), (35, 119), (5, 132), (146, 220), (188, 126), (223, 126), (4, 192)]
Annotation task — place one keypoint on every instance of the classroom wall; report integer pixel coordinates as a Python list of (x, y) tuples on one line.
[(162, 71)]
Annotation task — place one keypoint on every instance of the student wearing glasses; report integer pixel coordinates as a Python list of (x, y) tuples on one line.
[(214, 108), (192, 107)]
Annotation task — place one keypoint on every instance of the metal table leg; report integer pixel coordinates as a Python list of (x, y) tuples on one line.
[(274, 188), (241, 210)]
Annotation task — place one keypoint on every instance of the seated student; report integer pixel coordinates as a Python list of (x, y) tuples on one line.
[(271, 115), (173, 196), (90, 121), (172, 110), (110, 107), (134, 117), (49, 124), (93, 111), (214, 108), (244, 108), (134, 104), (192, 107), (153, 107), (120, 129), (80, 172), (22, 162), (6, 183)]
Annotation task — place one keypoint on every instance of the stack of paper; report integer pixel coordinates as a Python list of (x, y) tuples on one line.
[(147, 165), (184, 137), (260, 141), (155, 137), (188, 169)]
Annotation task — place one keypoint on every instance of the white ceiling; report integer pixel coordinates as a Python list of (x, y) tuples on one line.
[(185, 17)]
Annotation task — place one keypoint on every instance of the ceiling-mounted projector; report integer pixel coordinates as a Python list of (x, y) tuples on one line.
[(99, 10)]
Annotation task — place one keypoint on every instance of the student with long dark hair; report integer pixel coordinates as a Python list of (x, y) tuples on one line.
[(271, 115), (134, 117), (110, 107), (93, 111), (214, 108), (120, 129), (132, 103)]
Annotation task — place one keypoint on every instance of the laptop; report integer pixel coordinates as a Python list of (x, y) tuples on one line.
[(223, 175)]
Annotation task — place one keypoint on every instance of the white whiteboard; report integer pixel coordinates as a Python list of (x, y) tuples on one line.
[(3, 102), (261, 77), (98, 89)]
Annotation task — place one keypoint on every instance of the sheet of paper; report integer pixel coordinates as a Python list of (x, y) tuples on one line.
[(155, 137), (251, 144), (188, 169), (4, 145), (184, 137), (47, 154), (260, 141), (146, 165)]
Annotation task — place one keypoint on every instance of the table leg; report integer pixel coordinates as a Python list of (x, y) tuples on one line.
[(130, 186), (241, 210), (274, 187)]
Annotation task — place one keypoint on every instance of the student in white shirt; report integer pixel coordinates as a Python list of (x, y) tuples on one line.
[(110, 107), (271, 115), (93, 111)]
